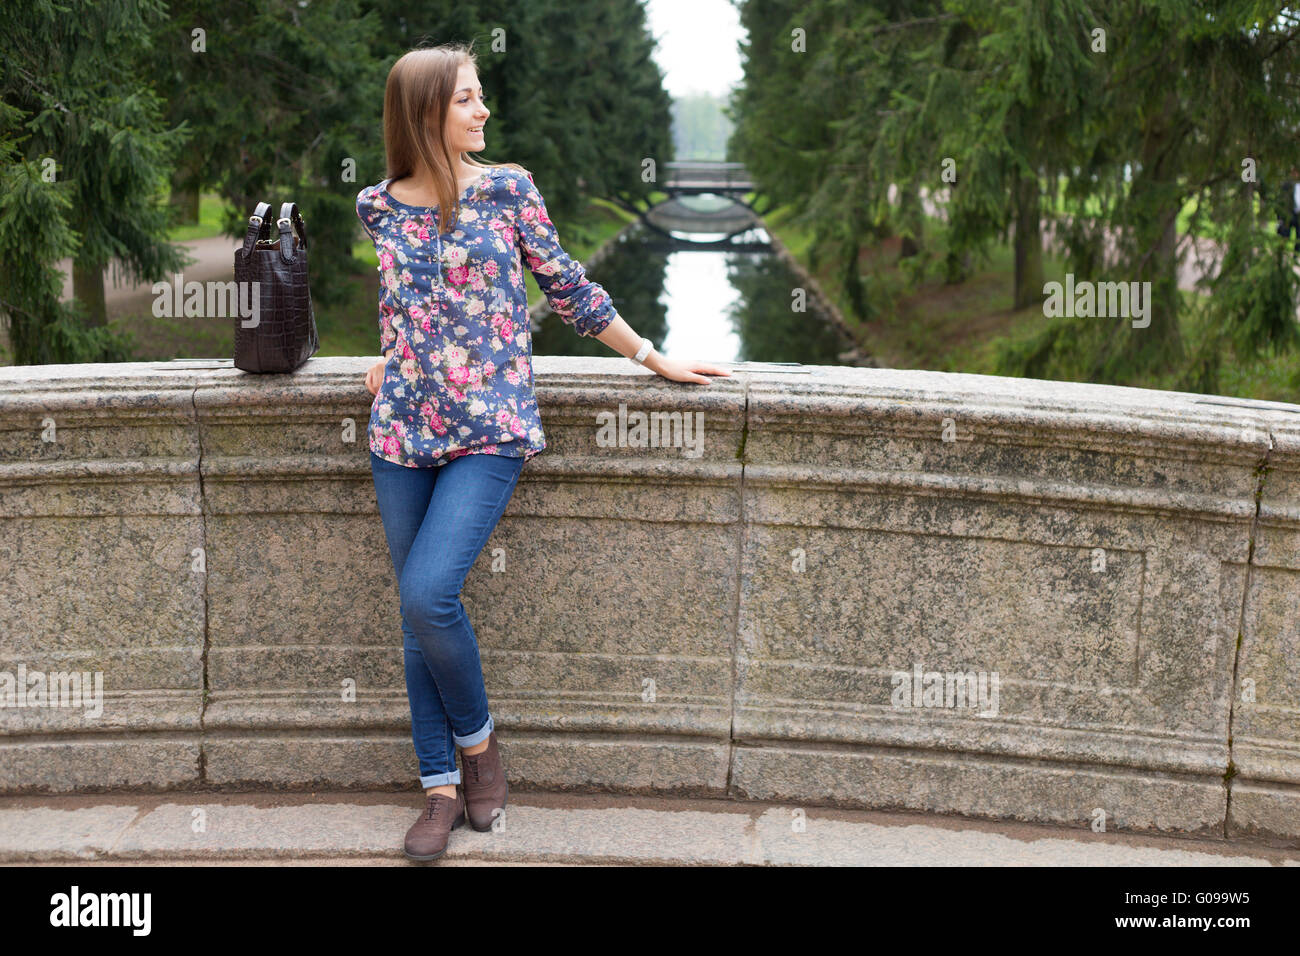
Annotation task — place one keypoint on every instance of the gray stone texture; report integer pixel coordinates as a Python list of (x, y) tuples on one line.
[(650, 621), (287, 830)]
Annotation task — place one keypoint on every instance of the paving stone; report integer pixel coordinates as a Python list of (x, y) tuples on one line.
[(46, 833)]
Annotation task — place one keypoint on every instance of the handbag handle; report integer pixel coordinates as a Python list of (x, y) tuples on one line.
[(289, 216), (258, 228)]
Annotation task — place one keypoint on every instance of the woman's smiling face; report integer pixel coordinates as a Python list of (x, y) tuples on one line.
[(466, 114)]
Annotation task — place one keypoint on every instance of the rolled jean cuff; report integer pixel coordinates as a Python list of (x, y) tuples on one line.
[(440, 779), (475, 738)]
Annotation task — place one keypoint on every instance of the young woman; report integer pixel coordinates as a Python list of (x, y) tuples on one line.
[(454, 417)]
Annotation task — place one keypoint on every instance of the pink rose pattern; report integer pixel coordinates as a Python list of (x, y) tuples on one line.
[(461, 379)]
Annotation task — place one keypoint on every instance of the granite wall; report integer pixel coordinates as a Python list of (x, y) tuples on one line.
[(871, 588)]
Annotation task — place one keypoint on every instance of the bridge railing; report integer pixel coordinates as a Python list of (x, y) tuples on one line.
[(721, 175), (857, 587)]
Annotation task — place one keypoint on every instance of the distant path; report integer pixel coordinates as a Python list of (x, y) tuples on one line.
[(215, 263)]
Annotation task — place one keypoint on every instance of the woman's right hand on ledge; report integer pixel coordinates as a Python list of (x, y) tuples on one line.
[(375, 377), (689, 371)]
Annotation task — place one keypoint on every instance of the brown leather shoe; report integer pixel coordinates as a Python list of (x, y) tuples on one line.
[(427, 838), (484, 781)]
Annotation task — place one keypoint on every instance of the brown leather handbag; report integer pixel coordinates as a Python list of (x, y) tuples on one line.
[(275, 329)]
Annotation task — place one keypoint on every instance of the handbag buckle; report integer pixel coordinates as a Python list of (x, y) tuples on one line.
[(282, 225), (256, 220)]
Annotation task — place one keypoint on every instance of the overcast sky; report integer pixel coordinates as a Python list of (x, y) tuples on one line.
[(697, 44)]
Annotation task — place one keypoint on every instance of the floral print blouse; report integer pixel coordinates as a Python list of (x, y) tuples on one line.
[(454, 305)]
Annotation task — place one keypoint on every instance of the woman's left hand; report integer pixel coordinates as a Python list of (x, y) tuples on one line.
[(689, 371)]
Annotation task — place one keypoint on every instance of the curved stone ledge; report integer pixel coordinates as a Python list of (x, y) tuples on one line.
[(739, 621)]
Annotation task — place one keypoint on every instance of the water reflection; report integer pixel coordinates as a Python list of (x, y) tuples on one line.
[(709, 304), (701, 300)]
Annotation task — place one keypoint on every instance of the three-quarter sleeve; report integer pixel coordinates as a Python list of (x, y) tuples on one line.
[(577, 300), (388, 308)]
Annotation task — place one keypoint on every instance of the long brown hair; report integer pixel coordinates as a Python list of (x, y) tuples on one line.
[(416, 97)]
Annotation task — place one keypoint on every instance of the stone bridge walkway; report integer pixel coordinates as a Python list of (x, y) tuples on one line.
[(359, 828)]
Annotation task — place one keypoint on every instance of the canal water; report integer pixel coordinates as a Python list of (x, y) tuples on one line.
[(704, 303)]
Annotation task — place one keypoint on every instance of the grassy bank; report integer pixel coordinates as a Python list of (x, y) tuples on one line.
[(917, 321)]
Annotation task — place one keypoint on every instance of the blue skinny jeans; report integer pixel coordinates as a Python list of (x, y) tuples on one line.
[(437, 519)]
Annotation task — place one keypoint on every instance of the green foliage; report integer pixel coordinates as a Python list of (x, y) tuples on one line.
[(278, 101), (284, 103), (1015, 94), (84, 153), (33, 235)]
